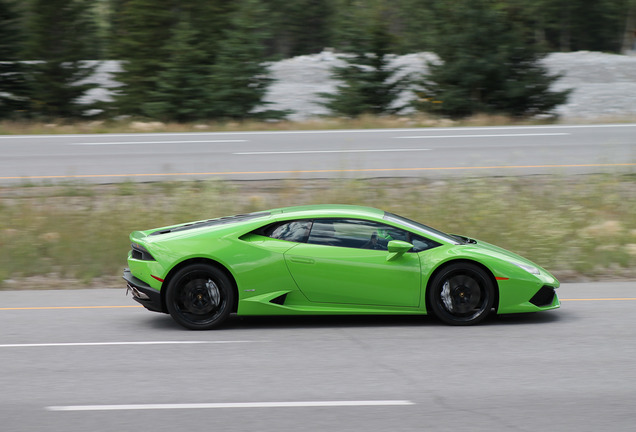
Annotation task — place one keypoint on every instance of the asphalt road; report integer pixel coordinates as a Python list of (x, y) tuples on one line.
[(434, 152), (90, 360)]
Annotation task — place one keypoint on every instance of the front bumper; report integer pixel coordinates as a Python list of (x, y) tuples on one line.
[(546, 297), (521, 296), (143, 293)]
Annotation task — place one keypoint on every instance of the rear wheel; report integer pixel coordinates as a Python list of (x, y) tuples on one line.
[(200, 297), (461, 294)]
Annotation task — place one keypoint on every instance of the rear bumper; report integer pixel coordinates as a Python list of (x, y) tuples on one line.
[(143, 293)]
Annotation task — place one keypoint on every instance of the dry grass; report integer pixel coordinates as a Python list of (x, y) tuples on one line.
[(326, 123), (363, 122), (77, 234)]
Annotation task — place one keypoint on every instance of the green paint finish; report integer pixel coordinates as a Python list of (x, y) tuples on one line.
[(280, 267), (327, 274)]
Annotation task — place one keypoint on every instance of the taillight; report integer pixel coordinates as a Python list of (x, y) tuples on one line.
[(141, 253)]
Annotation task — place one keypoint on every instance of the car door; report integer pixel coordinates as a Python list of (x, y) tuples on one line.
[(345, 261)]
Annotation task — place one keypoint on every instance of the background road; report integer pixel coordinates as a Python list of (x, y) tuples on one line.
[(309, 154), (69, 366)]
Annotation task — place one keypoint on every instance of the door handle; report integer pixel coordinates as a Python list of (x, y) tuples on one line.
[(301, 260)]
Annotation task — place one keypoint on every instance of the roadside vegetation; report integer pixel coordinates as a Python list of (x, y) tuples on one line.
[(53, 127), (76, 235)]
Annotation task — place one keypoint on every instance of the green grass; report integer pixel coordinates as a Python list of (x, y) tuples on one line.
[(578, 227)]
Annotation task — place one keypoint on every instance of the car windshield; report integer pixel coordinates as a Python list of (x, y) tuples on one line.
[(421, 228)]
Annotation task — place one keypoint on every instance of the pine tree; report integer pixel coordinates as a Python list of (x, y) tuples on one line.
[(56, 44), (299, 27), (145, 37), (239, 78), (485, 66), (349, 27), (141, 29), (367, 81), (414, 32), (182, 83), (572, 25), (209, 19), (13, 89)]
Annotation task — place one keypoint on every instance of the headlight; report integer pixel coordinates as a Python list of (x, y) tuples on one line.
[(530, 269)]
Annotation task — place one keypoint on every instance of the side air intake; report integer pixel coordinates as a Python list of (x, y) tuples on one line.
[(280, 300)]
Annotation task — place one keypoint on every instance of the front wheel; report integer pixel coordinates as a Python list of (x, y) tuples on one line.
[(200, 297), (461, 294)]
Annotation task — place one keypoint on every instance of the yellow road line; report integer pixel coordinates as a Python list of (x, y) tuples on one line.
[(317, 171), (70, 307), (601, 299)]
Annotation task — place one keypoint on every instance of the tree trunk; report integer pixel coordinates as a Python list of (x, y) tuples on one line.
[(629, 35), (564, 37)]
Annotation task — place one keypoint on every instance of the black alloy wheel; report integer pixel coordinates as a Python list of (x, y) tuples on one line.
[(200, 297), (461, 294)]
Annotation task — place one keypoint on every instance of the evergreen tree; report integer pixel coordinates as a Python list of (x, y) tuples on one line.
[(141, 29), (208, 19), (414, 32), (485, 66), (57, 31), (100, 14), (367, 82), (13, 90), (239, 77), (349, 26), (299, 27), (182, 83), (572, 25), (145, 37)]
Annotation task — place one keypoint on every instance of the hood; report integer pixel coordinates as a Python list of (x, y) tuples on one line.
[(498, 252)]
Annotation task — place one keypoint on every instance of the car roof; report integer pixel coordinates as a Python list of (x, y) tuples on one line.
[(328, 210), (255, 219)]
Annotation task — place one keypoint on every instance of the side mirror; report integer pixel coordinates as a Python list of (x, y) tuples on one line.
[(397, 248)]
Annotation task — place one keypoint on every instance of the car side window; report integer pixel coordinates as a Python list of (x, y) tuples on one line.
[(421, 244), (361, 234), (294, 231)]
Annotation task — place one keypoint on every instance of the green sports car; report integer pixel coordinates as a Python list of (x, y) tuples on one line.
[(324, 260)]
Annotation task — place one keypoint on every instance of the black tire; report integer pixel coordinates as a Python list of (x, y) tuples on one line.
[(461, 294), (200, 297)]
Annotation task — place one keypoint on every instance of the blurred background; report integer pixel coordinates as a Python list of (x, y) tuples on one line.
[(201, 60), (100, 66)]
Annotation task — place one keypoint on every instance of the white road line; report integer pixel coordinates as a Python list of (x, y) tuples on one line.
[(329, 131), (484, 136), (153, 142), (121, 343), (328, 151), (231, 405)]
